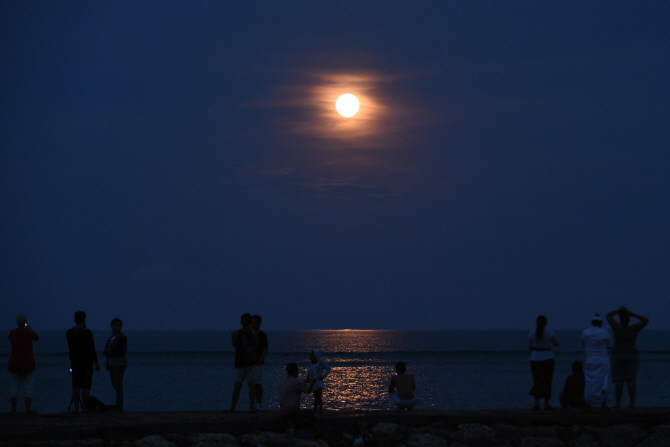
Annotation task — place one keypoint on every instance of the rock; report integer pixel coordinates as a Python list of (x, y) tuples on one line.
[(266, 438), (153, 441), (532, 441), (663, 429), (219, 437), (213, 440), (385, 429), (310, 443), (584, 440), (513, 435), (476, 434), (621, 435), (77, 443), (426, 440), (656, 440)]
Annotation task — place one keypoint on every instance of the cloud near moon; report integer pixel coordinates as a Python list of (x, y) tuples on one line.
[(380, 122)]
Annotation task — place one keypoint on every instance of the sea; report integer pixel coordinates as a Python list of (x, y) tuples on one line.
[(194, 371)]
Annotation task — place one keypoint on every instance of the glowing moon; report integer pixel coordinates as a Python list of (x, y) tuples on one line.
[(347, 105)]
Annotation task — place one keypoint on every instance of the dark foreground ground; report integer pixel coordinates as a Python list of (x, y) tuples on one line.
[(647, 427)]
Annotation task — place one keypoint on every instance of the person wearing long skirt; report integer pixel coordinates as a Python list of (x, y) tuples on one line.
[(540, 342)]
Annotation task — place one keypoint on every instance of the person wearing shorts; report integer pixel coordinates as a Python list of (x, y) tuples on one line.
[(21, 365), (624, 358)]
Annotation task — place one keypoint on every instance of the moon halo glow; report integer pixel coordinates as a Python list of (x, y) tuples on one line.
[(347, 105)]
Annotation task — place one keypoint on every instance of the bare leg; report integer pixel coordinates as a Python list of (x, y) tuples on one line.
[(252, 395), (259, 393), (236, 395), (84, 399), (632, 391), (318, 401), (75, 398), (618, 391)]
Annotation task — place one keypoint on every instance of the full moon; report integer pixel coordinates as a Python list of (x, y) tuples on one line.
[(347, 105)]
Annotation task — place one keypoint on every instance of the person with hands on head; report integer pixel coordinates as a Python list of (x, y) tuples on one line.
[(624, 358)]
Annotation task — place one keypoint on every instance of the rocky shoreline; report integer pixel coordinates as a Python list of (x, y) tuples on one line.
[(643, 427)]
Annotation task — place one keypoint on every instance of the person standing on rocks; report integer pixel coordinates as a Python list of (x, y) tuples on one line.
[(540, 341), (82, 358), (261, 343), (21, 365), (595, 341), (245, 362), (317, 373), (115, 350), (625, 358)]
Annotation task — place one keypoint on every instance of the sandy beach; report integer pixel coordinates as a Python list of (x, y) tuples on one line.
[(642, 426)]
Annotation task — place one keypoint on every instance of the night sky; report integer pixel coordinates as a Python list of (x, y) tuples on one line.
[(176, 164)]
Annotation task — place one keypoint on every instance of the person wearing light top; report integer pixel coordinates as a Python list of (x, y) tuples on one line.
[(290, 391), (595, 341), (317, 372), (540, 341)]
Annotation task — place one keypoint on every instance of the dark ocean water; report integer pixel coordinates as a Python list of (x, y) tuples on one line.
[(453, 369)]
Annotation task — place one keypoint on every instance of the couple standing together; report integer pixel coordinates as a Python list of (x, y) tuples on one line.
[(595, 340), (251, 347)]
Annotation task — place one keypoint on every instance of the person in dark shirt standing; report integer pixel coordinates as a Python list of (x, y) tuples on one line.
[(245, 361), (21, 363), (261, 343), (82, 358), (115, 350)]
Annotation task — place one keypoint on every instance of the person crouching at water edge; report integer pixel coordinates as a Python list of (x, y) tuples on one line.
[(401, 388), (540, 341)]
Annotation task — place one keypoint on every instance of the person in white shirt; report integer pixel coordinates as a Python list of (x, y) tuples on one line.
[(595, 341)]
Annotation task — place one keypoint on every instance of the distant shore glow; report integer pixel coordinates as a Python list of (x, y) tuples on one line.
[(347, 105)]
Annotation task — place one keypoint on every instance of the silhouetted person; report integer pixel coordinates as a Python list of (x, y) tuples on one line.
[(540, 341), (595, 341), (573, 390), (246, 358), (317, 372), (401, 388), (625, 360), (291, 389), (82, 358), (115, 350), (261, 343), (21, 365)]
